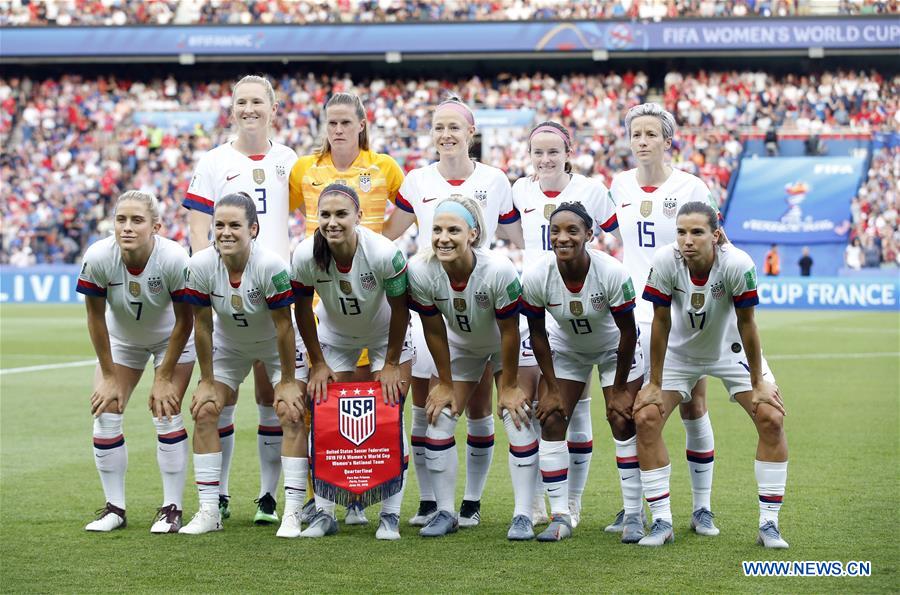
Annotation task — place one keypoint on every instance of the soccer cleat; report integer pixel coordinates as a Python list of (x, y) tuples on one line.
[(770, 537), (265, 510), (109, 518), (632, 528), (224, 513), (575, 511), (427, 511), (702, 523), (539, 510), (356, 515), (168, 520), (206, 520), (660, 533), (470, 513), (290, 525), (323, 524), (617, 525), (443, 523), (308, 512), (521, 529), (388, 527), (560, 528)]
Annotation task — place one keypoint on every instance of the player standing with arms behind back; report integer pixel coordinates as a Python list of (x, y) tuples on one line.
[(647, 199), (259, 167)]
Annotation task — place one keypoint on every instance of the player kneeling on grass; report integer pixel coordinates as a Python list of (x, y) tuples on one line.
[(249, 289), (134, 285), (591, 299), (360, 277), (694, 284), (468, 299)]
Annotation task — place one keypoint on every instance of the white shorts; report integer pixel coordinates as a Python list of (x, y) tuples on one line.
[(342, 358), (136, 357), (644, 342), (733, 372), (231, 364), (301, 369), (526, 354), (423, 364), (468, 366), (573, 365)]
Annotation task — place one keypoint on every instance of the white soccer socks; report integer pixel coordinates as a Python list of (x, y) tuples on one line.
[(268, 444), (770, 480), (523, 467), (111, 456), (172, 455), (655, 483), (554, 465), (629, 475), (419, 449), (441, 460), (226, 439), (581, 448), (295, 471), (480, 454), (700, 447)]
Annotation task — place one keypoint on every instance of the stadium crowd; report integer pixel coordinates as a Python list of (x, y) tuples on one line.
[(73, 145), (221, 12)]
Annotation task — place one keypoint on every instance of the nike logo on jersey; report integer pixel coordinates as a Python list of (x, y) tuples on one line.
[(216, 295), (554, 305), (323, 280), (441, 299), (678, 289), (229, 178), (626, 204), (429, 199), (115, 284), (528, 210)]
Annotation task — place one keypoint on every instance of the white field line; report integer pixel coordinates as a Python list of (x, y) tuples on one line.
[(79, 364)]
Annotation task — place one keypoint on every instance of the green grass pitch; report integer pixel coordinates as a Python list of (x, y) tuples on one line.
[(841, 501)]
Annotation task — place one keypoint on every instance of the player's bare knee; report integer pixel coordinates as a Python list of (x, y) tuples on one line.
[(207, 414), (769, 420), (695, 408), (622, 428), (554, 427), (648, 421)]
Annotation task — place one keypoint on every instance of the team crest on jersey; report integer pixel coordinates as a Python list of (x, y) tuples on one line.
[(697, 300), (280, 170), (597, 301), (345, 286), (259, 175), (482, 300), (134, 288), (646, 208), (670, 204), (548, 210), (154, 284), (718, 290), (255, 296), (576, 308), (368, 281), (459, 304), (365, 182), (357, 419), (237, 303), (481, 196)]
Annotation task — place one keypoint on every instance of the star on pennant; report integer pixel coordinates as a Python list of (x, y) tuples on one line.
[(371, 391), (343, 392), (356, 391)]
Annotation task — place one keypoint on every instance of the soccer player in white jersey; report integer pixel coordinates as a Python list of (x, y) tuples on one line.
[(468, 299), (249, 288), (535, 197), (695, 285), (254, 164), (133, 285), (360, 277), (455, 172), (591, 298), (647, 199)]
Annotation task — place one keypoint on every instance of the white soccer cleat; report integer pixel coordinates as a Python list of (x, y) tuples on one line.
[(290, 525), (388, 527), (168, 520), (356, 515), (702, 523), (770, 537), (323, 524), (661, 533), (427, 511), (206, 520), (109, 518)]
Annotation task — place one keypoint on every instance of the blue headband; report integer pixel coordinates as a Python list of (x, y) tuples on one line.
[(455, 208)]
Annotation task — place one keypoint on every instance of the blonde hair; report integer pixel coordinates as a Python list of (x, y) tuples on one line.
[(474, 208), (261, 80), (149, 201), (355, 102)]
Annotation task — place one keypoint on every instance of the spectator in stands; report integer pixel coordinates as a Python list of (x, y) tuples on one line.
[(805, 263), (771, 141), (871, 253), (853, 255), (772, 265)]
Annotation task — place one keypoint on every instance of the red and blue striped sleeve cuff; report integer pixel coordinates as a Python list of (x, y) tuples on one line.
[(651, 294), (301, 290), (610, 224), (195, 298), (508, 311), (532, 311), (88, 288), (429, 310), (510, 217), (404, 204), (745, 300), (177, 295), (195, 202), (623, 308), (281, 300)]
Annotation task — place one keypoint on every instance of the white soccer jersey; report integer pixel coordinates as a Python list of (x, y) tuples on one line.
[(647, 221), (139, 303), (242, 311), (424, 187), (702, 309), (224, 170), (535, 206), (471, 312), (583, 314), (352, 303)]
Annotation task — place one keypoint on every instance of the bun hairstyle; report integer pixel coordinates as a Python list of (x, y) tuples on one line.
[(666, 119), (703, 208), (321, 250), (145, 198), (578, 209), (476, 215), (559, 130), (353, 101), (243, 201)]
